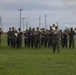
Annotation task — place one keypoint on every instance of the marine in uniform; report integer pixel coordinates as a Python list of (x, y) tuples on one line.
[(9, 37), (71, 38), (19, 38), (46, 38), (26, 38), (42, 37), (13, 38), (65, 39), (50, 37), (29, 39), (37, 38), (32, 37), (56, 40)]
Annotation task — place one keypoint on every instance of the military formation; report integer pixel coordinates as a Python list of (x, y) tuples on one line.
[(37, 38), (14, 38)]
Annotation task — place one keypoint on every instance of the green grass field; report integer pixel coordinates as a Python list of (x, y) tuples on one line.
[(43, 61)]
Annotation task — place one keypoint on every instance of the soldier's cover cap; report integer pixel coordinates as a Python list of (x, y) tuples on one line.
[(33, 28), (12, 27), (37, 28), (71, 29), (43, 28), (50, 26), (9, 28), (19, 28), (29, 27)]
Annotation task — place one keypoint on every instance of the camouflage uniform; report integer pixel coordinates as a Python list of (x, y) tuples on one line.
[(46, 38), (42, 37), (56, 41), (37, 38), (32, 38), (65, 39), (13, 38), (29, 39), (62, 38), (26, 38), (71, 38), (9, 37), (50, 37), (19, 39)]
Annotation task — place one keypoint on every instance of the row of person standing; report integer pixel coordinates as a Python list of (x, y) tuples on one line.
[(67, 38), (38, 38), (14, 38), (32, 38)]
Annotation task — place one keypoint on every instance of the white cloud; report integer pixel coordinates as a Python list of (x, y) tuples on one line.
[(30, 5), (54, 3), (70, 4), (21, 1)]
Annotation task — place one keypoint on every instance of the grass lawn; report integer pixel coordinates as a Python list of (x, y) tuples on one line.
[(43, 61)]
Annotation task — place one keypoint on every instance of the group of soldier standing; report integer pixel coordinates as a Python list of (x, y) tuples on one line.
[(14, 38), (36, 38)]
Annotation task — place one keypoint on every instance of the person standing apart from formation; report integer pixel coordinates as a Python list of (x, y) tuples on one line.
[(56, 40)]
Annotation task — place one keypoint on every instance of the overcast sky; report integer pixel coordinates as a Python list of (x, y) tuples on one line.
[(61, 11)]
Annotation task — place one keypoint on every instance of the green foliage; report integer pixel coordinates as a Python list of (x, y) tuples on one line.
[(43, 61)]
